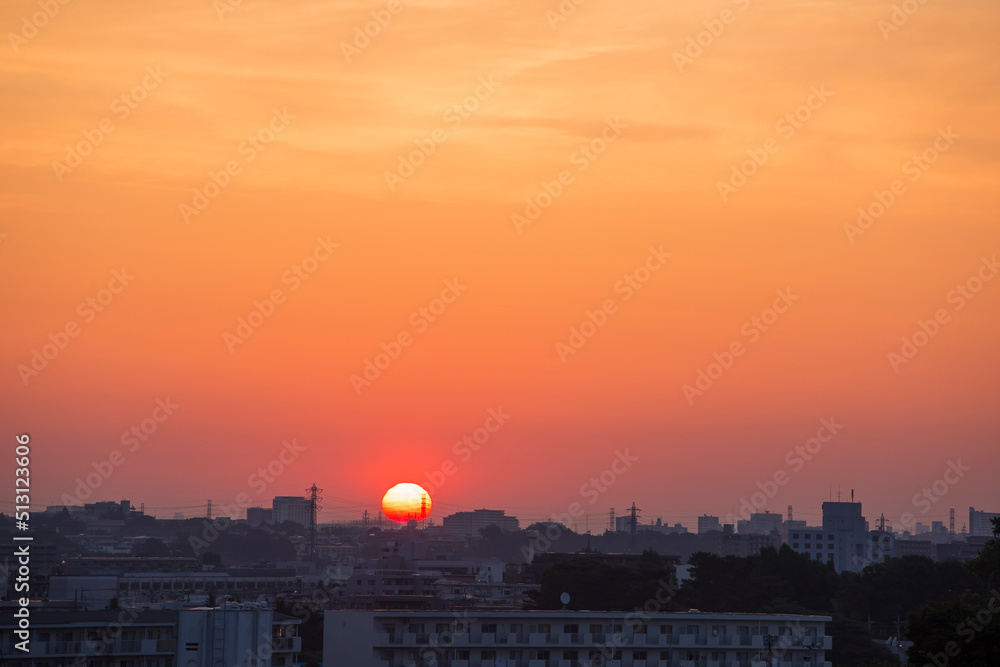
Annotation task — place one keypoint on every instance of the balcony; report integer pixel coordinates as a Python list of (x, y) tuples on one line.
[(293, 644)]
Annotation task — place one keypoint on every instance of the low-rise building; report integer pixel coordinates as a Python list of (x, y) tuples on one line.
[(475, 638), (233, 635)]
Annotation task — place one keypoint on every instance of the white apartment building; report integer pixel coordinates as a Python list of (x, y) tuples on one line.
[(843, 540), (475, 638), (233, 635)]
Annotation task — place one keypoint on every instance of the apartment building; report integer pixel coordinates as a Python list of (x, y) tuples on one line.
[(565, 638)]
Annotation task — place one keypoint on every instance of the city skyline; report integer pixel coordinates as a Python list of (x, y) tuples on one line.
[(600, 230)]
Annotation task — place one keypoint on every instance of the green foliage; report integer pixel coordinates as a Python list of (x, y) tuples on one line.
[(964, 631), (750, 584), (986, 567), (887, 591), (597, 586)]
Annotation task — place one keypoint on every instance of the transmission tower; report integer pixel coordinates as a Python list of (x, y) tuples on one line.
[(611, 516), (208, 510), (633, 524), (314, 507), (951, 522)]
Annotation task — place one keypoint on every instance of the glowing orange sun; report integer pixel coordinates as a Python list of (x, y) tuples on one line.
[(406, 501)]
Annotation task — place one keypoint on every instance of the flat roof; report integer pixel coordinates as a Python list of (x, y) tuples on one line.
[(569, 613)]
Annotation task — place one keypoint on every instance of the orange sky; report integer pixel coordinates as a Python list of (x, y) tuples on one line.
[(302, 126)]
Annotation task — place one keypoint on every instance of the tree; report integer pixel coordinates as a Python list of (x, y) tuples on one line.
[(963, 632), (210, 600), (113, 604)]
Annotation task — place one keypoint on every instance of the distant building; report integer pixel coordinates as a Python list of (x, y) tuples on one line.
[(843, 539), (707, 522), (623, 524), (96, 590), (535, 638), (743, 545), (470, 523), (760, 523), (879, 546), (980, 522), (291, 508), (664, 529), (195, 637), (257, 516), (916, 548)]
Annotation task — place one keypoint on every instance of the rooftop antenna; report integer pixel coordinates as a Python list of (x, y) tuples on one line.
[(852, 495)]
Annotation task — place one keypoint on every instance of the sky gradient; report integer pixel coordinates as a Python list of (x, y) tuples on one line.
[(693, 165)]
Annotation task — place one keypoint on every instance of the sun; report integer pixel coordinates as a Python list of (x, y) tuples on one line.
[(406, 501)]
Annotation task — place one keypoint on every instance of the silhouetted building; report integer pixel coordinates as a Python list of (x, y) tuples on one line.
[(707, 522), (291, 508), (980, 522), (470, 523)]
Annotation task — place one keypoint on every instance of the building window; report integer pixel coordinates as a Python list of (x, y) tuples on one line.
[(191, 646), (571, 628), (638, 655), (489, 628)]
